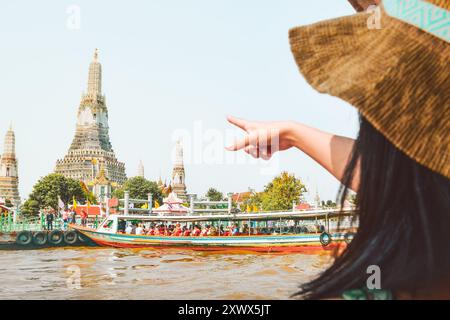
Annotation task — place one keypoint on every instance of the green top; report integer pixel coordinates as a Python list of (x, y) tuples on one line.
[(365, 294)]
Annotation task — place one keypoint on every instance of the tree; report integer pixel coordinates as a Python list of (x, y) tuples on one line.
[(281, 192), (8, 203), (46, 191), (329, 204), (30, 208), (353, 199), (253, 201), (214, 195), (139, 188)]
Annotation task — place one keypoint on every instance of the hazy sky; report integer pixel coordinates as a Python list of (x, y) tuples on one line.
[(168, 66)]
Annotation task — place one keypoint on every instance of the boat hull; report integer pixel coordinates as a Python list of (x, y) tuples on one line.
[(302, 243)]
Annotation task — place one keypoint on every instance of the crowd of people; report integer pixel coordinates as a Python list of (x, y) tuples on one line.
[(176, 230), (208, 230), (66, 217)]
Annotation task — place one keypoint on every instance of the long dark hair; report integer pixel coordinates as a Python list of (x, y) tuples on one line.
[(404, 222)]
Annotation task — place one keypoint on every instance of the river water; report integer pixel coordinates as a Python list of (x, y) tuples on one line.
[(108, 273)]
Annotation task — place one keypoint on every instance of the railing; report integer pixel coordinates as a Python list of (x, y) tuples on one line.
[(7, 223)]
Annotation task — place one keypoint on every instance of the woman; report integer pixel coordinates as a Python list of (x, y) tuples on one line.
[(177, 232), (197, 231), (205, 231), (398, 79), (151, 230), (212, 232), (186, 231)]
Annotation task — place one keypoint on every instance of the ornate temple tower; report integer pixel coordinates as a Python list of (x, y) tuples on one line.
[(9, 178), (91, 148), (178, 174)]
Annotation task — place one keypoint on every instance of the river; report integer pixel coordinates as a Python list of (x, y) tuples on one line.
[(108, 273)]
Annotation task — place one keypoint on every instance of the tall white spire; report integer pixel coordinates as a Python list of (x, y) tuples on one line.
[(10, 143), (178, 174), (95, 77), (9, 178), (141, 170), (178, 154)]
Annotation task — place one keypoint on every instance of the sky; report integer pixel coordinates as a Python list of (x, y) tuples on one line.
[(171, 69)]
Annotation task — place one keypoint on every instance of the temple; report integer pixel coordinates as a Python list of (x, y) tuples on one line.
[(9, 177), (91, 148), (178, 174)]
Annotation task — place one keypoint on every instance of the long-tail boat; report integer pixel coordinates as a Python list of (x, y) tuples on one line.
[(263, 232)]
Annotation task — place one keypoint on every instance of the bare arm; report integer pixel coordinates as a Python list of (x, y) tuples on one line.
[(330, 151)]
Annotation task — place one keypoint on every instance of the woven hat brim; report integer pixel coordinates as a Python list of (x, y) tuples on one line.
[(397, 76)]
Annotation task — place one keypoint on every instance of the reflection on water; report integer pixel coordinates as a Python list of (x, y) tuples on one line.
[(107, 273)]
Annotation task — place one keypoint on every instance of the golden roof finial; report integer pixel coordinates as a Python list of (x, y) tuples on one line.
[(101, 176)]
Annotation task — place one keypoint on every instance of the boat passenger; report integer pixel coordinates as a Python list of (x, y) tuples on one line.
[(196, 232), (186, 232), (234, 230), (151, 231), (212, 232), (129, 229), (139, 230), (121, 225), (177, 231), (227, 231), (157, 231), (205, 231)]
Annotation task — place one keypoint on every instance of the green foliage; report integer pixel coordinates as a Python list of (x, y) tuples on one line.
[(30, 208), (254, 200), (329, 204), (353, 199), (139, 188), (89, 195), (46, 191), (281, 192), (8, 203), (214, 195)]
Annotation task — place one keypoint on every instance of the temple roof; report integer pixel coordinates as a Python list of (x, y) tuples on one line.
[(101, 177), (172, 199), (172, 204)]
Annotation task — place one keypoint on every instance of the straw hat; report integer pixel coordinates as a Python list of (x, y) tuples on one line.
[(396, 71)]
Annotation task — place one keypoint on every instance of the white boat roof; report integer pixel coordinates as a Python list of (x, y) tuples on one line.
[(306, 215)]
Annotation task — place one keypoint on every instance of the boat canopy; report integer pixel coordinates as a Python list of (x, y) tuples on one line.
[(311, 215)]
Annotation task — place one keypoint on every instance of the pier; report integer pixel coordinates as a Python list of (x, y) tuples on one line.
[(30, 233)]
